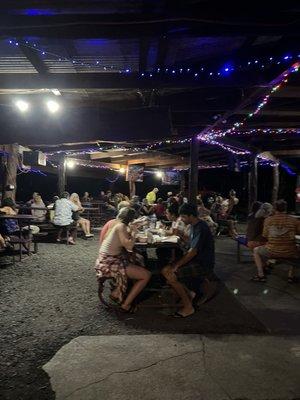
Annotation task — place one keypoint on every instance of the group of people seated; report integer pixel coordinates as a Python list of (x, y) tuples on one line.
[(64, 213), (217, 213), (116, 258), (271, 235)]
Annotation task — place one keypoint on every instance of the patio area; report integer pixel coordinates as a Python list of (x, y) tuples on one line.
[(53, 296)]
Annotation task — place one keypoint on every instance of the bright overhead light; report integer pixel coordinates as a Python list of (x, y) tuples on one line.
[(70, 164), (52, 106), (122, 170), (159, 174), (56, 92), (22, 105)]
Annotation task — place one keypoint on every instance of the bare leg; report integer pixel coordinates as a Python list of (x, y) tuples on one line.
[(59, 233), (232, 229), (86, 226), (142, 277), (82, 224), (291, 273), (258, 262), (72, 236), (187, 306)]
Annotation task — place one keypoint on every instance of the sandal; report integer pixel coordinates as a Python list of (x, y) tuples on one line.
[(292, 279), (178, 315), (257, 278), (131, 310)]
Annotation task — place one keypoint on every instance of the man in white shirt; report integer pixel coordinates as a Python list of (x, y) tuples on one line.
[(63, 217)]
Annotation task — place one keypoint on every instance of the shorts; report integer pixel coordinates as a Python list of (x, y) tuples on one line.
[(193, 275), (264, 252)]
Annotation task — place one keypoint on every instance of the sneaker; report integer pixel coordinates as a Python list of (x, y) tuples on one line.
[(89, 235)]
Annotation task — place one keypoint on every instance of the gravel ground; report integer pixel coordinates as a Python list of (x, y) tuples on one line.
[(45, 302), (51, 297)]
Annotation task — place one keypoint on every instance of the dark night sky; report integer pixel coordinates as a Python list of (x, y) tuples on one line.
[(82, 124)]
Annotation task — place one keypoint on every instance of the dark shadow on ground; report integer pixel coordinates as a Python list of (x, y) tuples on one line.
[(223, 314)]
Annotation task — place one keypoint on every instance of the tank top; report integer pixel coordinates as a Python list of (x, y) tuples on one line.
[(111, 244)]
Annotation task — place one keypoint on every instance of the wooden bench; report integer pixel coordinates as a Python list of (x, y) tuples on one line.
[(21, 243)]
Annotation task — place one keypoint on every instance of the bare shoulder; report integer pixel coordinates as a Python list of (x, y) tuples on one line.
[(120, 227)]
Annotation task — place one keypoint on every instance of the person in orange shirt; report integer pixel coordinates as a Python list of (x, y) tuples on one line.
[(279, 231)]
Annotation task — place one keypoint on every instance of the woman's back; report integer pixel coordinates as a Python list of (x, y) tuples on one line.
[(112, 243)]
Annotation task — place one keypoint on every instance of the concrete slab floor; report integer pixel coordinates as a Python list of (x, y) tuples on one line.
[(177, 367)]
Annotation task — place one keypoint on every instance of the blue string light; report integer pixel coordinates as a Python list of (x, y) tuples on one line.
[(218, 73)]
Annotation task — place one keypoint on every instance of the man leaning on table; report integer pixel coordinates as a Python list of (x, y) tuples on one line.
[(196, 265)]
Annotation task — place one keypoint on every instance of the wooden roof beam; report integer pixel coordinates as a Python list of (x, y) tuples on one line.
[(33, 57)]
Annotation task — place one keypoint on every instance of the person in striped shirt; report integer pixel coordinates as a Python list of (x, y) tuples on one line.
[(279, 231)]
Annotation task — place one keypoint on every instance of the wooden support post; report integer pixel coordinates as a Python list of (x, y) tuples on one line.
[(193, 173), (182, 181), (61, 175), (252, 183), (132, 189), (10, 172), (297, 192), (275, 183), (2, 174)]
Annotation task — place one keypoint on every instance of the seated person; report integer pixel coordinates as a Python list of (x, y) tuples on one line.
[(82, 222), (39, 215), (2, 243), (178, 227), (230, 216), (34, 194), (111, 262), (279, 231), (146, 209), (136, 205), (109, 223), (196, 265), (159, 209), (63, 217), (86, 198), (9, 226), (255, 224), (204, 214), (217, 210)]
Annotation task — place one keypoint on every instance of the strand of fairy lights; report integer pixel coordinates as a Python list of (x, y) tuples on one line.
[(226, 69)]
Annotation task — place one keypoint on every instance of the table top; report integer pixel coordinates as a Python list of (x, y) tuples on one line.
[(32, 208), (18, 216)]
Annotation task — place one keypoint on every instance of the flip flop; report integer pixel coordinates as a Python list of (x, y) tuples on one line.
[(292, 279), (131, 310), (260, 279), (178, 315)]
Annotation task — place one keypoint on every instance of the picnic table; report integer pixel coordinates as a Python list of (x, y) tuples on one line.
[(23, 221)]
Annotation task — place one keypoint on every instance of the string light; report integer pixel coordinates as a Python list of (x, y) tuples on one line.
[(223, 71), (70, 164)]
